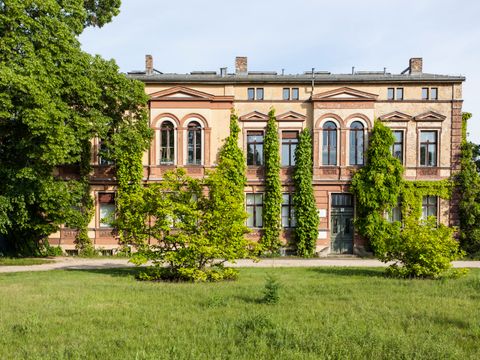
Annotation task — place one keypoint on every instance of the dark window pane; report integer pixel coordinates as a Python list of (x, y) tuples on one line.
[(286, 94), (434, 93), (251, 94)]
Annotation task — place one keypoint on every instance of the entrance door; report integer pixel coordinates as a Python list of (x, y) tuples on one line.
[(341, 224)]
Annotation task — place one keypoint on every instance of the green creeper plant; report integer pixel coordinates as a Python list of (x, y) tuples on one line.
[(468, 182), (306, 230), (417, 248), (273, 190)]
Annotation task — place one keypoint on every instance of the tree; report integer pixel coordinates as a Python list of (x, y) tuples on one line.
[(54, 99), (306, 230), (273, 189), (199, 224), (468, 181)]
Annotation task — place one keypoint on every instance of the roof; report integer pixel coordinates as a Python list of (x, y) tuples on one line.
[(319, 78)]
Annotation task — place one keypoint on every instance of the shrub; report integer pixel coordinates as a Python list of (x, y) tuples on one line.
[(211, 274), (423, 250), (271, 292)]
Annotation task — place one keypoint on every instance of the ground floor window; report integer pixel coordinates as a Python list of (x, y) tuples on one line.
[(255, 210), (288, 212), (106, 202), (429, 206)]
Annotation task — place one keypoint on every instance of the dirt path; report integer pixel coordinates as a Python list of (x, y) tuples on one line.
[(109, 263)]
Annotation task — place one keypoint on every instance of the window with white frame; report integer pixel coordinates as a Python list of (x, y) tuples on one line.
[(289, 145), (429, 206), (106, 204), (288, 212), (167, 143), (428, 148)]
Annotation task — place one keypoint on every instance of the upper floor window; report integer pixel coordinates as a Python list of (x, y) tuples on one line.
[(106, 204), (429, 93), (167, 143), (428, 148), (289, 145), (395, 93), (329, 148), (288, 212), (255, 93), (254, 203), (194, 144), (395, 214), (397, 147), (103, 154), (255, 148), (429, 206), (290, 94), (357, 143)]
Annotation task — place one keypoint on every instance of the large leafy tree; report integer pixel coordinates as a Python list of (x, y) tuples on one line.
[(54, 98), (306, 230), (273, 187)]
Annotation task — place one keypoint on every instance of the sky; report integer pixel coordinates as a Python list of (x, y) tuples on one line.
[(192, 35)]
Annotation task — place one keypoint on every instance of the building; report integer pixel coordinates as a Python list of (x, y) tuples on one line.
[(190, 116)]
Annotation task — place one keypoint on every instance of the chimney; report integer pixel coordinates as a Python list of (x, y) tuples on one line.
[(241, 65), (416, 65), (148, 64)]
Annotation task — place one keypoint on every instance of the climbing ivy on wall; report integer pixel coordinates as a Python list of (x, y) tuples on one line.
[(306, 230), (273, 189), (421, 248), (468, 182)]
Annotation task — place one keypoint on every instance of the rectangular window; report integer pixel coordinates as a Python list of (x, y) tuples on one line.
[(434, 94), (429, 206), (428, 148), (255, 210), (255, 148), (286, 94), (289, 145), (103, 150), (399, 94), (288, 212), (395, 214), (342, 200), (259, 94), (397, 147), (251, 94), (295, 94), (425, 93), (106, 202), (391, 94)]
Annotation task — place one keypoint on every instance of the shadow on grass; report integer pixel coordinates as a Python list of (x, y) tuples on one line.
[(348, 271), (114, 272)]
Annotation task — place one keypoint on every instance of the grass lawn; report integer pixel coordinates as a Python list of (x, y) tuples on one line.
[(323, 313), (6, 261)]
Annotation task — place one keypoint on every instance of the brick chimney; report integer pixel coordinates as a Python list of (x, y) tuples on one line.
[(148, 64), (241, 65), (416, 65)]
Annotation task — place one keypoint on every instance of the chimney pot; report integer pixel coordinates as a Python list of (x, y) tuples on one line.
[(416, 65), (148, 64), (241, 67)]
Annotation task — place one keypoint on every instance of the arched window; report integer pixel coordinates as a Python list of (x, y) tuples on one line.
[(194, 146), (357, 143), (329, 151), (167, 143)]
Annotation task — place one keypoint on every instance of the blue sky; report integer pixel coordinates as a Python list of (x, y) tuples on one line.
[(190, 35)]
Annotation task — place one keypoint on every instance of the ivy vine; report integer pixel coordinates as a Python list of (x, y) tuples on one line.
[(273, 188)]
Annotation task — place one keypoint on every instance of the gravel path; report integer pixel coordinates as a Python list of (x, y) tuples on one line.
[(109, 263)]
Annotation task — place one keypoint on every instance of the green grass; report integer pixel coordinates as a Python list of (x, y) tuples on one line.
[(323, 313), (6, 261)]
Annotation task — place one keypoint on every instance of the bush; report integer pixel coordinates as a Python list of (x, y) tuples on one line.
[(52, 251), (211, 274), (423, 250)]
